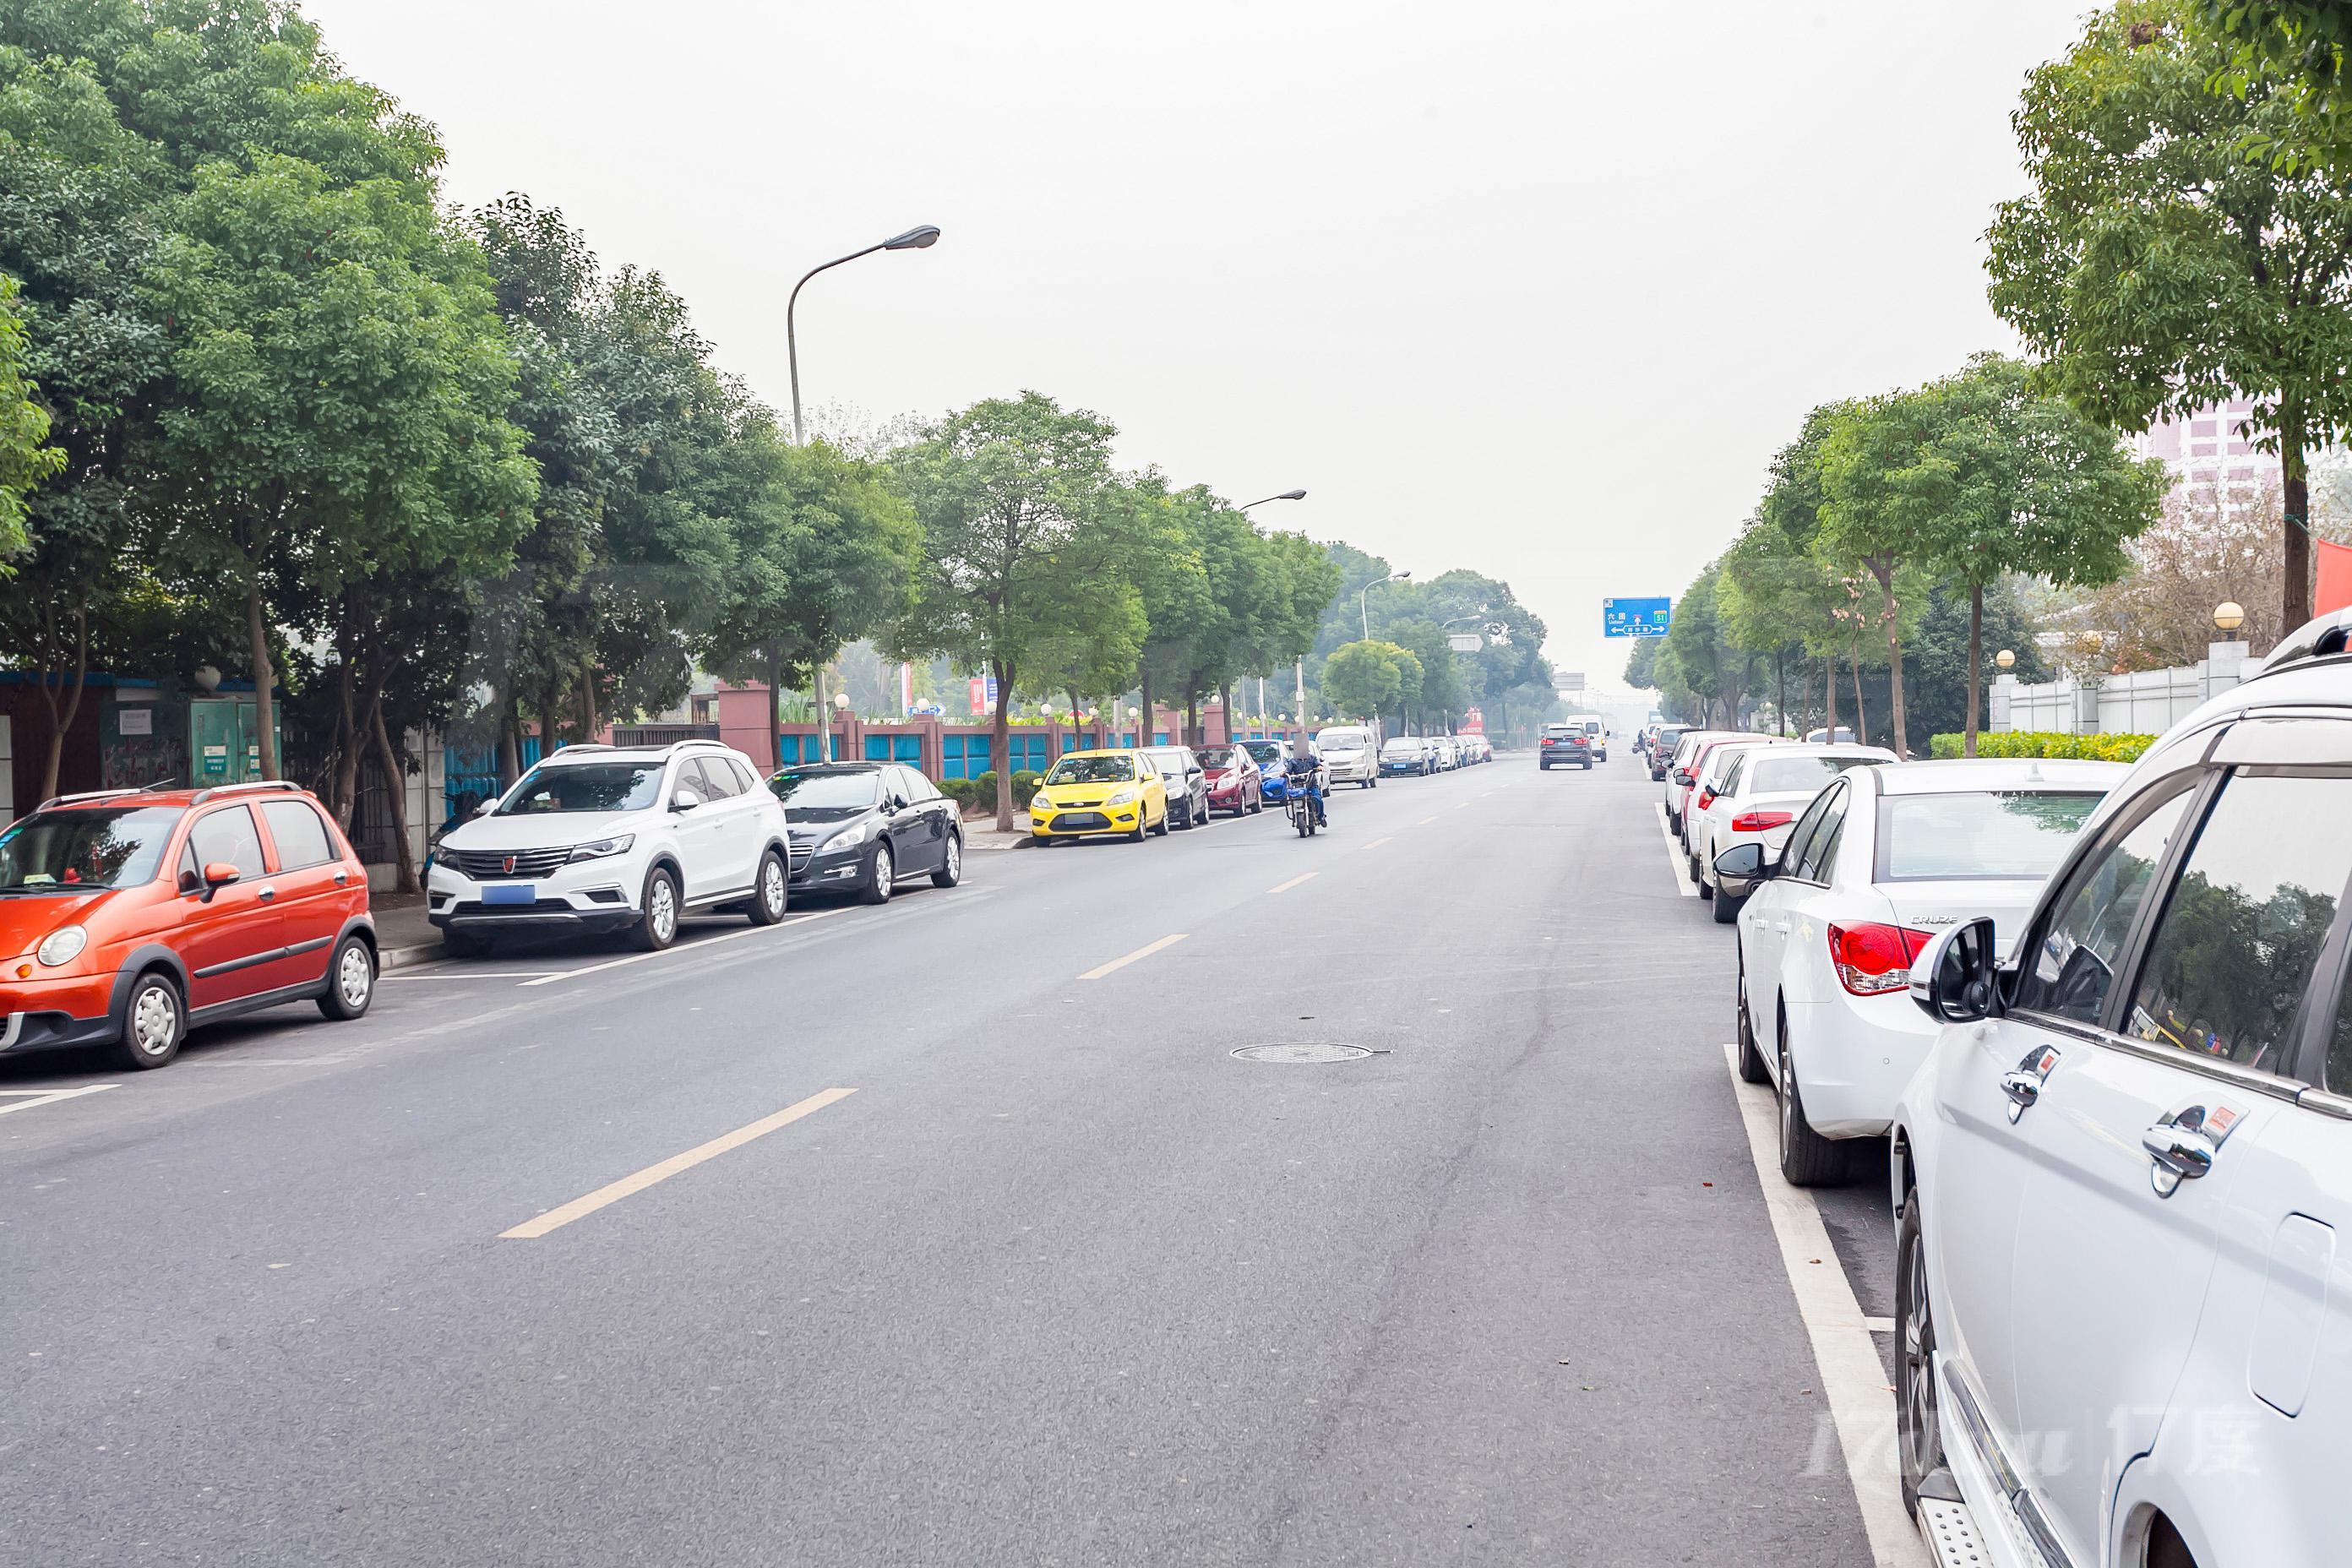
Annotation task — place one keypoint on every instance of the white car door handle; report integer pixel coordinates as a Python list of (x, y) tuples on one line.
[(1780, 926)]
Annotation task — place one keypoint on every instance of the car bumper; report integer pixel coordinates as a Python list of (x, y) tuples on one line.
[(1855, 1057), (1081, 823), (39, 1014), (1231, 799), (591, 896), (1351, 773), (831, 866)]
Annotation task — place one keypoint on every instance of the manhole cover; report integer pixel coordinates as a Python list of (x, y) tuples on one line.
[(1302, 1054)]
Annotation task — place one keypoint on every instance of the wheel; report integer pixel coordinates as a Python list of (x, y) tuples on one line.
[(880, 877), (771, 891), (1256, 804), (1371, 783), (154, 1022), (657, 924), (1807, 1159), (351, 979), (1918, 1432), (1141, 831), (1163, 828), (950, 869), (1726, 908), (455, 943), (1751, 1060)]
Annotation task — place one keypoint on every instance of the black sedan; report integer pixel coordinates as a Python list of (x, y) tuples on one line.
[(1187, 782), (864, 827)]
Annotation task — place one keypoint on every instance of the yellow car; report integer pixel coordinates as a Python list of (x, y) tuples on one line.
[(1094, 792)]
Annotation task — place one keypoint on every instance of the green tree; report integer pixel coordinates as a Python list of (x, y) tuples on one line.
[(2301, 41), (25, 457), (1019, 504), (1712, 668), (1364, 679), (1867, 519), (2157, 268)]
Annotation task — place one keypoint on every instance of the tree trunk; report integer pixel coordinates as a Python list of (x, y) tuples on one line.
[(1975, 666), (350, 743), (1150, 719), (395, 789), (1193, 718), (1889, 615), (1861, 711), (2295, 542), (823, 714), (509, 737), (1225, 707), (1829, 696), (61, 719), (1780, 686), (1004, 748), (776, 702), (265, 705), (588, 717)]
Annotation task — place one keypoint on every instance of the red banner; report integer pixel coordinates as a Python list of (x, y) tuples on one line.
[(2334, 591)]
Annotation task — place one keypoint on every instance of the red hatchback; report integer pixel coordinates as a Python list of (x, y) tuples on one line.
[(133, 914), (1234, 780)]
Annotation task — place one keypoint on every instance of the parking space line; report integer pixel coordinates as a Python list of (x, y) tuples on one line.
[(1851, 1375), (1375, 843), (1146, 950), (26, 1099), (1286, 887), (613, 1192), (674, 952), (1682, 884)]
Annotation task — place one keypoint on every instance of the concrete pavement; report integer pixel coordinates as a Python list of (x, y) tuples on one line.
[(1062, 1281)]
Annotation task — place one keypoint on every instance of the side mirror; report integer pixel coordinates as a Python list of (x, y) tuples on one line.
[(1957, 978), (683, 800), (486, 806), (1682, 776), (898, 803), (218, 874), (1739, 868)]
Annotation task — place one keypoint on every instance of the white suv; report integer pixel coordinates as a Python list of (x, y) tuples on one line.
[(599, 838), (1348, 757)]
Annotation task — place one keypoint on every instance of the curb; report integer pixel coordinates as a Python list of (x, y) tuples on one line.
[(406, 957)]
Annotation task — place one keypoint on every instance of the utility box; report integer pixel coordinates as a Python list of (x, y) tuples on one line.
[(224, 740)]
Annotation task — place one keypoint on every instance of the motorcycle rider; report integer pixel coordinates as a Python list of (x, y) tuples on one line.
[(1304, 768)]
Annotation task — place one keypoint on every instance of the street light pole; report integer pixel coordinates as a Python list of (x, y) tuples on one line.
[(1300, 674), (922, 237), (1364, 600)]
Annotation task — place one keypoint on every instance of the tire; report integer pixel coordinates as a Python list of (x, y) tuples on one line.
[(950, 869), (1726, 908), (771, 891), (1142, 832), (1163, 828), (1918, 1429), (1751, 1059), (881, 876), (656, 925), (154, 1014), (351, 981), (1807, 1159), (459, 944), (1254, 806)]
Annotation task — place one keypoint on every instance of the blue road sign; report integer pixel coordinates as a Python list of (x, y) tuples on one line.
[(1635, 618)]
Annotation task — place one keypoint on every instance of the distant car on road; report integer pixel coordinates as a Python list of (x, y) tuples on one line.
[(1449, 755), (141, 913), (1407, 756), (864, 827), (1348, 756), (602, 838), (1098, 793), (1187, 783), (1475, 749), (1844, 734), (1660, 751), (1708, 770), (1885, 856), (1233, 778), (1270, 757), (1564, 744)]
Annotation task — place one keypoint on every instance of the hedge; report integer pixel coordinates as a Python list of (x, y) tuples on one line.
[(2046, 744)]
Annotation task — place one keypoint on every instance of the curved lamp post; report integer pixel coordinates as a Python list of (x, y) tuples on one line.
[(920, 238)]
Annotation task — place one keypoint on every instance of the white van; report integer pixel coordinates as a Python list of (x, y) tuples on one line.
[(1351, 754)]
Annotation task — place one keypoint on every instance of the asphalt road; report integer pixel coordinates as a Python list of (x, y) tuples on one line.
[(1061, 1282)]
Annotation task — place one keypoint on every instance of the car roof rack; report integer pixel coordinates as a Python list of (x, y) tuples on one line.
[(2322, 636), (205, 795), (95, 794)]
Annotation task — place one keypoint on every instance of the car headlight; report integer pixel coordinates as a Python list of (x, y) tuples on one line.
[(857, 832), (1121, 797), (603, 848), (62, 945)]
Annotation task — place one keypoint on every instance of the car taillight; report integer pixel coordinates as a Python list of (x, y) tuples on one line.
[(1551, 740), (1705, 798), (1872, 959), (1757, 821)]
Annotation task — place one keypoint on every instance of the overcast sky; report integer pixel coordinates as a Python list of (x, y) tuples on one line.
[(1533, 289)]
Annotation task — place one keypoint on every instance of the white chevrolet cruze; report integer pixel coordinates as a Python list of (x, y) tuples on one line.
[(1885, 856), (600, 838), (1761, 793), (2123, 1179)]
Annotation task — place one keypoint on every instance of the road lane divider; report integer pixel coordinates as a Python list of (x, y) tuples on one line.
[(678, 952), (1146, 950), (1375, 843), (1286, 887), (1426, 820), (613, 1192)]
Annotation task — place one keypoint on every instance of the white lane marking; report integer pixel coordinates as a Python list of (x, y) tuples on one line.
[(1375, 843), (26, 1099), (1146, 950), (1290, 884), (1683, 883), (1879, 1325), (1851, 1375), (473, 974), (707, 941), (1425, 821), (613, 1192), (1463, 807)]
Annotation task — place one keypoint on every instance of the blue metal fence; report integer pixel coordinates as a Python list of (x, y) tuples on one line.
[(471, 776)]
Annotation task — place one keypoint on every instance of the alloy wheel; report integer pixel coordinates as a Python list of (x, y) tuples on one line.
[(955, 857), (661, 909), (771, 888)]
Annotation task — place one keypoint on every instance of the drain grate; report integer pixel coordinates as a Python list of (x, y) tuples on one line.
[(1301, 1056)]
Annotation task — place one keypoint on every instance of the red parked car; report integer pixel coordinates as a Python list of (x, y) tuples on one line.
[(1236, 781), (135, 914)]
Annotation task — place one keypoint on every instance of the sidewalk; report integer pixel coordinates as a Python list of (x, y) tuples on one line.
[(402, 935), (979, 833)]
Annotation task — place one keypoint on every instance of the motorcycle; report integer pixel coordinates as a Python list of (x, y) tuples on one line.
[(1301, 807)]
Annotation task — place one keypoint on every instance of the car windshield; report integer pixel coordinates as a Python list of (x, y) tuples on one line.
[(1978, 837), (1560, 729), (1343, 740), (1092, 770), (1780, 775), (1170, 763), (815, 791), (1401, 748), (1217, 759), (1264, 751), (584, 786), (86, 850)]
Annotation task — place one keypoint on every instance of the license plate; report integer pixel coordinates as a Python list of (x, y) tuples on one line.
[(511, 893)]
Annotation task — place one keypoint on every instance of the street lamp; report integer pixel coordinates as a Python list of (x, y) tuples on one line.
[(1300, 674), (1364, 603), (2005, 659), (2228, 615), (920, 238), (1135, 717), (841, 711)]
